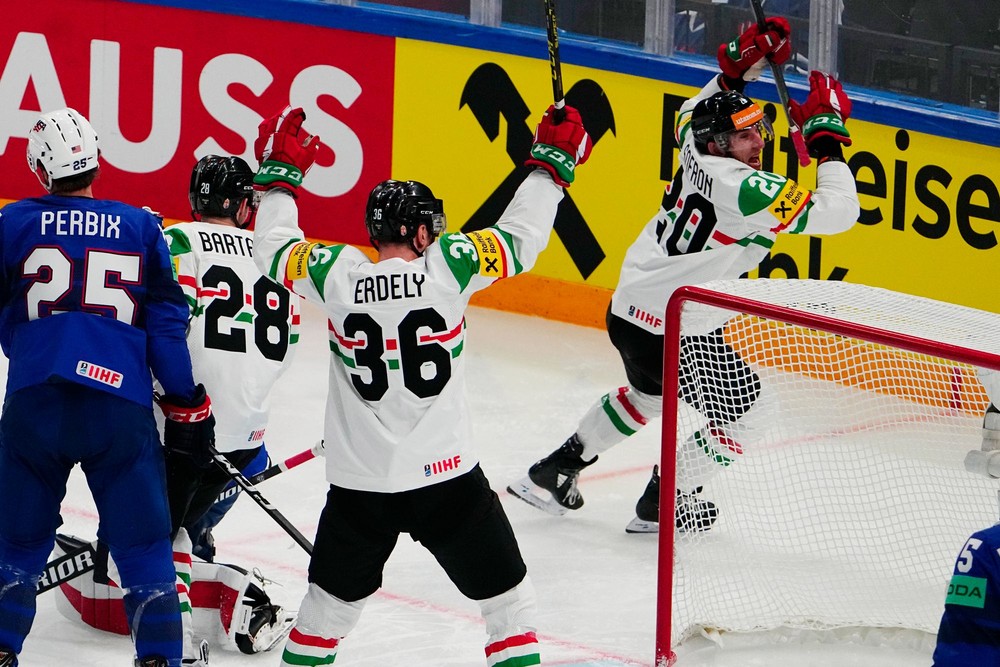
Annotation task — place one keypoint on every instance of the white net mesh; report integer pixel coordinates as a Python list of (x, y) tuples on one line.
[(841, 494)]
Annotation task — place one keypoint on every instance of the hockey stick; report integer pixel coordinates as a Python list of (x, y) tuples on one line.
[(794, 131), (81, 560), (252, 491), (296, 460), (68, 566), (555, 65)]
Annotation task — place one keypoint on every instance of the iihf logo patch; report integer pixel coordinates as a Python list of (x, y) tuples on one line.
[(99, 374)]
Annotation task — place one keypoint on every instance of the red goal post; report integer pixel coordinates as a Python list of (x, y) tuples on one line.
[(846, 500)]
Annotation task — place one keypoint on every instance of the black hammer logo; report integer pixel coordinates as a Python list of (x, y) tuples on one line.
[(491, 95)]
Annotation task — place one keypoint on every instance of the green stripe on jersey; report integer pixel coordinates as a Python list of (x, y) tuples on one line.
[(349, 362), (276, 262), (609, 410), (177, 241), (521, 661), (305, 660), (509, 240)]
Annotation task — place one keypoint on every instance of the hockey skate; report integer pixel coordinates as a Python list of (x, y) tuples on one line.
[(691, 514), (9, 658), (556, 473), (264, 624), (269, 624), (201, 656), (154, 661)]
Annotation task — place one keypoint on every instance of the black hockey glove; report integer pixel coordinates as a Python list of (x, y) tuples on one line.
[(190, 426)]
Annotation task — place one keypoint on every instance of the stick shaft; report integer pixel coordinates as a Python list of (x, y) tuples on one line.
[(555, 64), (258, 498), (794, 131), (278, 468)]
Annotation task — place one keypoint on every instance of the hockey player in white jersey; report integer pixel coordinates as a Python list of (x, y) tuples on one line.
[(400, 456), (242, 333), (718, 219)]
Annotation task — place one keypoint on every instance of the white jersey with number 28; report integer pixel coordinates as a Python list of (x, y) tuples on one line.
[(242, 331)]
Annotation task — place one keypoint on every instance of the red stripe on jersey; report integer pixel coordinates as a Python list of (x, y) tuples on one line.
[(443, 337), (510, 642), (346, 343), (212, 293), (722, 238), (629, 408), (312, 640)]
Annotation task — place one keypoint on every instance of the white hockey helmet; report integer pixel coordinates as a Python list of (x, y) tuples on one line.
[(62, 143)]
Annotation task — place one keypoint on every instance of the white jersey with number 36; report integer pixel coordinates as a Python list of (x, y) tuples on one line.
[(397, 417)]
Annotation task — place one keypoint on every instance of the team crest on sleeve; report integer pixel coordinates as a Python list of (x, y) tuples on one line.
[(494, 255)]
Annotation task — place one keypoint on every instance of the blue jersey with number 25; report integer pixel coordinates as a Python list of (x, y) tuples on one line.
[(88, 296)]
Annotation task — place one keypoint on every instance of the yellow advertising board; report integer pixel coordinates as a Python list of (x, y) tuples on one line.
[(930, 205)]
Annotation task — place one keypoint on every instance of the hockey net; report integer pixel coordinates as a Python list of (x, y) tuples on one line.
[(841, 495)]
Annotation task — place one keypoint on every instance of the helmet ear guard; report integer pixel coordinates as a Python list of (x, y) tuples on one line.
[(396, 209), (61, 144)]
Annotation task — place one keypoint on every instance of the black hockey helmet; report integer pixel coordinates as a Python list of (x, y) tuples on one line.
[(219, 185), (715, 117), (397, 208)]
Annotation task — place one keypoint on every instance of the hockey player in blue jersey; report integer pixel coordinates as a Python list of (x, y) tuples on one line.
[(88, 308), (969, 633)]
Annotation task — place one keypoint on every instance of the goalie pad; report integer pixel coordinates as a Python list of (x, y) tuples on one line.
[(226, 600)]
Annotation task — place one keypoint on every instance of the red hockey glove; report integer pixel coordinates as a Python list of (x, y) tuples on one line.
[(190, 426), (739, 56), (822, 115), (284, 150), (560, 147)]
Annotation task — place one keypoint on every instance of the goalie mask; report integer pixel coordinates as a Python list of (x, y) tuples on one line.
[(61, 144), (397, 208), (716, 118), (219, 185)]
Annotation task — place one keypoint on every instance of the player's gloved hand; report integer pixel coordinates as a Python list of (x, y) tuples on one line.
[(284, 150), (560, 147), (744, 57), (822, 117), (189, 429)]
